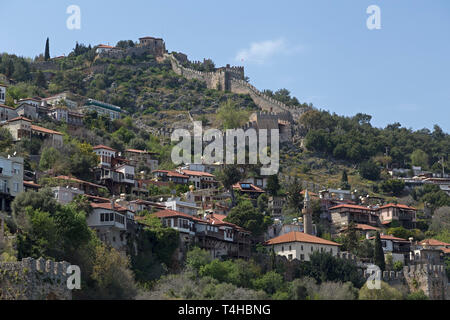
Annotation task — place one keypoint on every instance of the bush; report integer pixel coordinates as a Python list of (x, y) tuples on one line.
[(385, 293)]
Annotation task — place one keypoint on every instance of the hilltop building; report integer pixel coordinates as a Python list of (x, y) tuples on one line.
[(102, 108)]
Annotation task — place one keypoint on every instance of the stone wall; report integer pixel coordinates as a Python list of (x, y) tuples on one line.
[(231, 79), (32, 279), (431, 279)]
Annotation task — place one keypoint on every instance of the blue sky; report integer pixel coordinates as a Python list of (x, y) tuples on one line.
[(320, 50)]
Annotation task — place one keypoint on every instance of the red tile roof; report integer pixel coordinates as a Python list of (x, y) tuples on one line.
[(434, 242), (296, 236), (45, 130), (389, 237), (104, 147), (73, 179), (401, 206), (365, 227), (31, 184), (20, 118), (351, 206), (108, 206), (138, 151), (5, 106), (197, 173), (171, 213)]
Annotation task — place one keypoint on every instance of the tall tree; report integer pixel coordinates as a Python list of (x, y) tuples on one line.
[(273, 185), (379, 254), (47, 50), (229, 176)]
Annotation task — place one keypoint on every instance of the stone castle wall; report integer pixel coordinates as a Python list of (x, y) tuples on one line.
[(431, 279), (231, 79), (32, 279)]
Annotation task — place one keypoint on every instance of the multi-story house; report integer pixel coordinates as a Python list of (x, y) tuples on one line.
[(141, 156), (113, 171), (397, 247), (249, 189), (63, 114), (201, 180), (27, 110), (109, 220), (300, 246), (7, 113), (211, 233), (405, 215), (62, 99), (176, 204), (111, 111), (344, 214), (11, 181), (170, 176), (65, 195)]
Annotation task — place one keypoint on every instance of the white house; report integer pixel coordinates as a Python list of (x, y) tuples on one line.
[(64, 195), (176, 204), (2, 93), (109, 220), (106, 155), (11, 180), (299, 245)]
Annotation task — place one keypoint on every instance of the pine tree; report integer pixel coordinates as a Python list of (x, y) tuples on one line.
[(47, 50), (344, 181), (379, 254), (40, 80)]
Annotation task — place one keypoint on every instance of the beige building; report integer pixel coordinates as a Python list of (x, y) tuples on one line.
[(299, 245), (11, 181)]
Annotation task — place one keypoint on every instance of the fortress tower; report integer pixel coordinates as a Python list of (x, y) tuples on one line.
[(307, 215)]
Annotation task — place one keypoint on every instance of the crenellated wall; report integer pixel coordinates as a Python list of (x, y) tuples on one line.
[(232, 79), (431, 279), (32, 279)]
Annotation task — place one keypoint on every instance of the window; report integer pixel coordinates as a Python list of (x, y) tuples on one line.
[(383, 244), (312, 249), (290, 248), (302, 257), (102, 217), (282, 248), (302, 247), (290, 257)]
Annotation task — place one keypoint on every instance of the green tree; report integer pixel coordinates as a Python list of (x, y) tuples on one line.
[(229, 176), (197, 258), (40, 80), (385, 293), (47, 50), (249, 218), (344, 181), (6, 139), (369, 170), (230, 116), (419, 158), (273, 185), (379, 253), (393, 186), (271, 282)]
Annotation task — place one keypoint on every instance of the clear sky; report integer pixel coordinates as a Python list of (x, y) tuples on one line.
[(320, 50)]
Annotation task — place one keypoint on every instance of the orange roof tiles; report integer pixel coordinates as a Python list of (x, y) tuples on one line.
[(401, 206), (197, 173), (351, 206), (45, 130), (434, 242), (296, 236), (104, 147), (108, 206)]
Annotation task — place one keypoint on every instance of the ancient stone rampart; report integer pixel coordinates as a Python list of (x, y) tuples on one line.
[(32, 279)]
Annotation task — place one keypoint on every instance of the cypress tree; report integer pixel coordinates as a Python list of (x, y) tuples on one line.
[(47, 50), (379, 254)]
